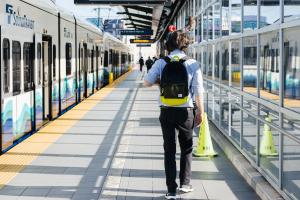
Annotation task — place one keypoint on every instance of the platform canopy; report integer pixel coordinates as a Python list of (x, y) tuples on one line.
[(143, 14)]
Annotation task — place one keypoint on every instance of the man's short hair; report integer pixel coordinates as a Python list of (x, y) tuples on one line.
[(178, 40)]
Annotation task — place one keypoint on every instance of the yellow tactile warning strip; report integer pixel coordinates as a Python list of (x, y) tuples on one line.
[(16, 159)]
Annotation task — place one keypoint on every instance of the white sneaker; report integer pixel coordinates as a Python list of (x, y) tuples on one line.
[(186, 188), (170, 196)]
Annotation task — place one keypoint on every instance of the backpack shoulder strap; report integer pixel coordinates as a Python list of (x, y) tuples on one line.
[(167, 59), (184, 59)]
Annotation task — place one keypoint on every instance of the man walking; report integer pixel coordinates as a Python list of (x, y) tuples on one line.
[(141, 61), (149, 64), (180, 81)]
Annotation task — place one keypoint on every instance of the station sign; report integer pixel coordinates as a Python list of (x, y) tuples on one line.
[(143, 41), (143, 45), (136, 32)]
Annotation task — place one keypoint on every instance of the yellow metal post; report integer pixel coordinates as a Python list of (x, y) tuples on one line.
[(111, 78)]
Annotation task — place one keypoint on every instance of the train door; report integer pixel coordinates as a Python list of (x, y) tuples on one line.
[(38, 91), (47, 77), (97, 67), (17, 84), (6, 93), (85, 70)]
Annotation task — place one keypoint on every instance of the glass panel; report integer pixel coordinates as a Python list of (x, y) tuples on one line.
[(249, 135), (291, 10), (210, 23), (292, 68), (270, 12), (235, 64), (269, 67), (210, 100), (225, 109), (16, 56), (236, 16), (266, 112), (250, 14), (216, 105), (291, 170), (209, 52), (6, 65), (200, 32), (225, 17), (217, 62), (225, 63), (235, 133), (250, 65), (250, 105), (291, 124), (204, 27), (217, 19)]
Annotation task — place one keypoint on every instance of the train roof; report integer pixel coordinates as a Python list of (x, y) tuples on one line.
[(46, 5), (110, 40)]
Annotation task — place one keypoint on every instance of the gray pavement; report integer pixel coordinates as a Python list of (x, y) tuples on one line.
[(115, 152)]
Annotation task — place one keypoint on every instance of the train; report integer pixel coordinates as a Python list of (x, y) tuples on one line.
[(51, 60), (270, 64)]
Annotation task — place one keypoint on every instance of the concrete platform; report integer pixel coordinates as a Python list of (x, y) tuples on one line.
[(112, 149)]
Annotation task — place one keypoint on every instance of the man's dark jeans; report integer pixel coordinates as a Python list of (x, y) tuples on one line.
[(181, 119)]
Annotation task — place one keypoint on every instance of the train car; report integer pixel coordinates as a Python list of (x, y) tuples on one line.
[(114, 48), (28, 33), (89, 53), (51, 60)]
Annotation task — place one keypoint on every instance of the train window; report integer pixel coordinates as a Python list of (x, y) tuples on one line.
[(16, 62), (97, 58), (6, 65), (68, 59), (110, 57), (81, 60), (217, 62), (28, 56), (106, 59), (39, 63), (92, 61), (88, 60), (54, 62)]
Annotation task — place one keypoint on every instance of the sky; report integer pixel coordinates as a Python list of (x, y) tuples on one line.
[(87, 11)]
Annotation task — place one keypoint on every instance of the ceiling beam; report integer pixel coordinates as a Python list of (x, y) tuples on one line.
[(136, 15), (138, 25), (140, 8), (140, 21)]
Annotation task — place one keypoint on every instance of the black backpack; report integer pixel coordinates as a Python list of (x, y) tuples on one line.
[(174, 89)]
